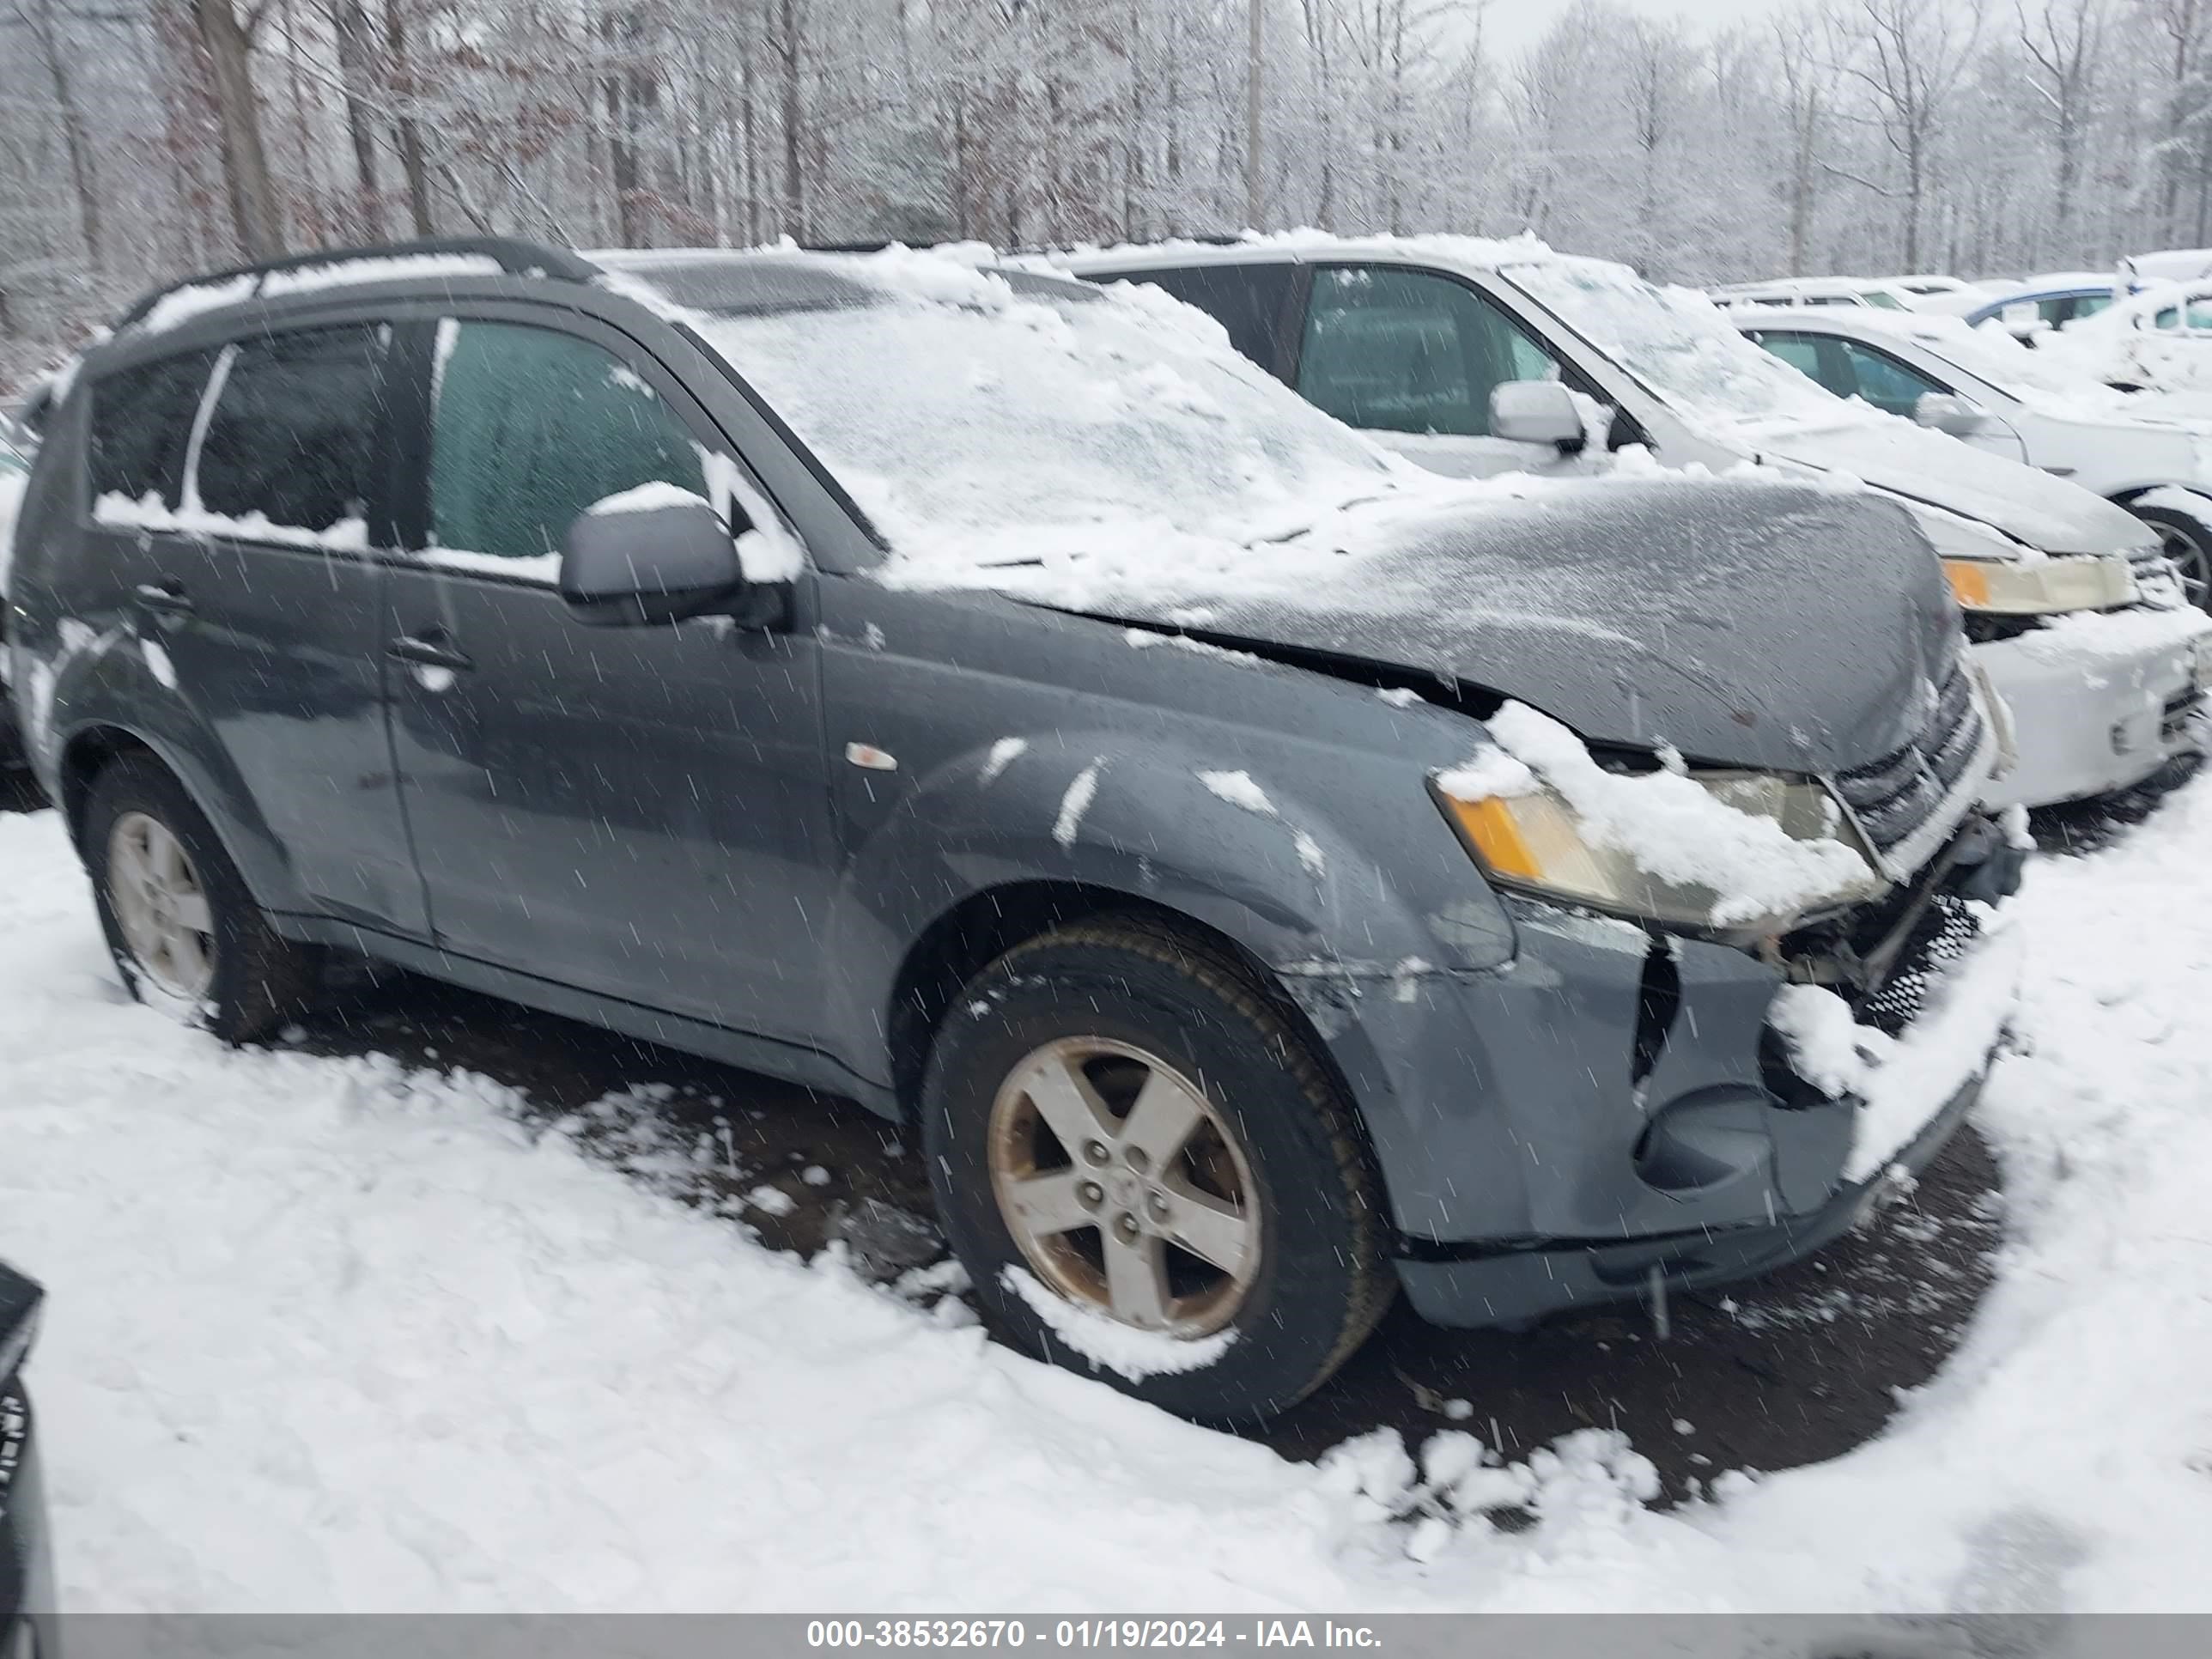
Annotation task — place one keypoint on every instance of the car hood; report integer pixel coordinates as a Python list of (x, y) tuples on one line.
[(2045, 513), (1771, 624)]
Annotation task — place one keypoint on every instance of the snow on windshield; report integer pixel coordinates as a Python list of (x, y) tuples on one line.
[(1678, 342), (980, 427)]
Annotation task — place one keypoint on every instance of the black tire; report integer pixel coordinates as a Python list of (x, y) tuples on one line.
[(2189, 544), (259, 981), (1322, 1278)]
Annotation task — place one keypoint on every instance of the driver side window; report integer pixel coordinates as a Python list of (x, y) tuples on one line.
[(1404, 351), (532, 427)]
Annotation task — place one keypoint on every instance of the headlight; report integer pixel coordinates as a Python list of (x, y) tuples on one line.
[(1684, 862), (2012, 588)]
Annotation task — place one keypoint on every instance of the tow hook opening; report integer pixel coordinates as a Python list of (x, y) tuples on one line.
[(1658, 1000)]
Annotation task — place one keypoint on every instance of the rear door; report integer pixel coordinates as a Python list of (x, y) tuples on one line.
[(639, 811), (259, 592)]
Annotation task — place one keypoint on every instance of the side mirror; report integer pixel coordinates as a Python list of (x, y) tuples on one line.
[(655, 554), (1959, 417), (1537, 412)]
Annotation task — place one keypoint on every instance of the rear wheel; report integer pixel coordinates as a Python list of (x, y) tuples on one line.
[(1150, 1176), (2188, 542), (185, 934)]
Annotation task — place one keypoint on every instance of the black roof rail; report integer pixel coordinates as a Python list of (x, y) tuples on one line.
[(513, 255)]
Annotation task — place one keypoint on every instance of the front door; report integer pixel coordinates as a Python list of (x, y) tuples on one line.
[(1411, 357), (640, 811)]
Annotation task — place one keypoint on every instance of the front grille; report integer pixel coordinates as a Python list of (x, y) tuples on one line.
[(1894, 796), (1942, 935)]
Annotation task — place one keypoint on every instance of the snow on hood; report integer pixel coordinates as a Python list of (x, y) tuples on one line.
[(1754, 624), (1690, 354), (1108, 452), (2046, 513)]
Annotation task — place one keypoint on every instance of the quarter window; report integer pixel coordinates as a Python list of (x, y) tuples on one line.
[(1405, 351), (533, 427), (294, 428), (1885, 382), (142, 423)]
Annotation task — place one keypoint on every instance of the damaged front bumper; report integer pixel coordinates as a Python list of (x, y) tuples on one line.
[(1630, 1103), (2099, 701)]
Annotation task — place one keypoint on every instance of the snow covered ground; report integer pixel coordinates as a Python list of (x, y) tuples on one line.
[(326, 1333)]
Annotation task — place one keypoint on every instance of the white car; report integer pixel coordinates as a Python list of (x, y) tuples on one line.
[(1477, 357), (2145, 452), (2158, 339), (1815, 291)]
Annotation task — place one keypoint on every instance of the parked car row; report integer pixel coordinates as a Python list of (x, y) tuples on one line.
[(2070, 604), (1267, 875)]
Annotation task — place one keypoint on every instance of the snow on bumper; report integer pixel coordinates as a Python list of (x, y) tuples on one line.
[(2099, 701), (1899, 1084)]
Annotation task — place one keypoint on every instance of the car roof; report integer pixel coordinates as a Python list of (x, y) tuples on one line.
[(722, 281), (1300, 247), (759, 282)]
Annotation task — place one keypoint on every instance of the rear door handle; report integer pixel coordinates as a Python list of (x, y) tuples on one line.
[(433, 649), (167, 597)]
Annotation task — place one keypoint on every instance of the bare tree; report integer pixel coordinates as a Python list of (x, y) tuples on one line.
[(227, 38), (1909, 56), (2064, 40)]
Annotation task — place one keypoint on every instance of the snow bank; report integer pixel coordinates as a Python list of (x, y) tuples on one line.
[(335, 1334), (1673, 828)]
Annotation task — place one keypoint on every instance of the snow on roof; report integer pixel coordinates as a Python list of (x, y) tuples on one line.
[(182, 304)]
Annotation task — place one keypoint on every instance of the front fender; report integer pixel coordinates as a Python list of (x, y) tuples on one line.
[(1256, 860), (1274, 873)]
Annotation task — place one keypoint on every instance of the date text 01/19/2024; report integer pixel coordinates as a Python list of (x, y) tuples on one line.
[(1089, 1632)]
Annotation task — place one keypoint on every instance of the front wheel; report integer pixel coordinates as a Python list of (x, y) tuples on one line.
[(2188, 544), (185, 933), (1150, 1176)]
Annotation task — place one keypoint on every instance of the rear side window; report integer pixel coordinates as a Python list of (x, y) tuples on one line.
[(294, 428), (142, 423), (533, 427), (1250, 302), (1403, 351)]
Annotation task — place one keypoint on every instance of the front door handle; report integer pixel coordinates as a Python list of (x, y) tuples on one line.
[(431, 649), (166, 597)]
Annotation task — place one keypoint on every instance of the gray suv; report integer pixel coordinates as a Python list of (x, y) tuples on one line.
[(1267, 875)]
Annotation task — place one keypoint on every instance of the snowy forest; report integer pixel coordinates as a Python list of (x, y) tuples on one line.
[(140, 138)]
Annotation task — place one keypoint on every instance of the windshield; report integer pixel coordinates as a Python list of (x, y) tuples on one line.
[(978, 426), (1680, 346)]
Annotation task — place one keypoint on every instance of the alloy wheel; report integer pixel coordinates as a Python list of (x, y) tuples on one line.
[(161, 906), (1124, 1187), (2192, 560)]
